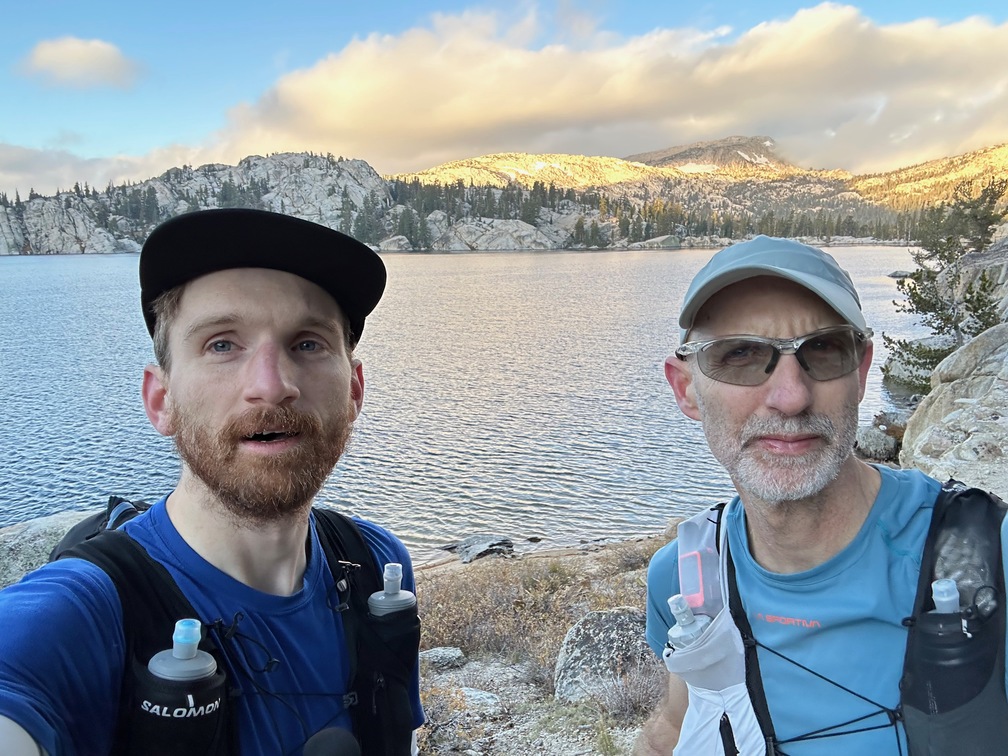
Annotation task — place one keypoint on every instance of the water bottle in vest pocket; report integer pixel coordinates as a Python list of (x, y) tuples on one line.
[(180, 700), (952, 690)]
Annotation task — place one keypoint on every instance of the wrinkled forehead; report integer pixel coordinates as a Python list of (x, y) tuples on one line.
[(258, 294), (763, 306)]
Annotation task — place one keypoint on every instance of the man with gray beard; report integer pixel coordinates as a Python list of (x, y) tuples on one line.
[(254, 318), (780, 616)]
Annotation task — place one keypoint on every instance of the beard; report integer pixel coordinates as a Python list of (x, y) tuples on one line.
[(252, 487), (777, 478)]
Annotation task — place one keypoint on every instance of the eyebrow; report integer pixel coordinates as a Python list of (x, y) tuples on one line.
[(215, 321), (227, 320)]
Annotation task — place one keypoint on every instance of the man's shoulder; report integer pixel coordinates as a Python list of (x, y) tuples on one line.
[(665, 561), (906, 491), (60, 593), (383, 542)]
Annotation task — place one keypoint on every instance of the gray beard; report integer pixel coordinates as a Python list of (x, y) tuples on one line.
[(776, 479)]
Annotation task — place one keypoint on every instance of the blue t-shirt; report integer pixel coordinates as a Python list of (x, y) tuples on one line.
[(62, 646), (841, 619)]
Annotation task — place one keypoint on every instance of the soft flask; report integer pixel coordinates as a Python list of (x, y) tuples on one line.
[(180, 705)]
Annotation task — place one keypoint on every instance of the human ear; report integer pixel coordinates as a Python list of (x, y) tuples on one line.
[(680, 378), (356, 385), (863, 368), (156, 401)]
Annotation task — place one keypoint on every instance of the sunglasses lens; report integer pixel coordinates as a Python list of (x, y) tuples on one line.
[(741, 362), (748, 361), (830, 355)]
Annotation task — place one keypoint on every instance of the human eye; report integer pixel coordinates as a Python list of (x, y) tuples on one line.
[(736, 352), (220, 346), (827, 343), (308, 345)]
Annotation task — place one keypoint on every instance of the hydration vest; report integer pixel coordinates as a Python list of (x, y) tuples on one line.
[(952, 695), (382, 651)]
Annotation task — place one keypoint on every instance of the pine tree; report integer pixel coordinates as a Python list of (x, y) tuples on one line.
[(346, 211), (424, 240), (579, 230), (934, 291)]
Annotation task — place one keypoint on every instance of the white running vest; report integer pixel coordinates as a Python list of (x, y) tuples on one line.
[(713, 666)]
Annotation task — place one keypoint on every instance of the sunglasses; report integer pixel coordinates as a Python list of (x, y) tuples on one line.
[(749, 360)]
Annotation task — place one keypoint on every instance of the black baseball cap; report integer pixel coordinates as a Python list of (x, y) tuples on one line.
[(206, 241)]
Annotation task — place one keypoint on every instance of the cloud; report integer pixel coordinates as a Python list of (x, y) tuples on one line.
[(80, 64), (832, 87), (45, 171), (459, 88), (886, 95)]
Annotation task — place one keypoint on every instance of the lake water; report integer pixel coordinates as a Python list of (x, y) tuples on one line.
[(517, 393)]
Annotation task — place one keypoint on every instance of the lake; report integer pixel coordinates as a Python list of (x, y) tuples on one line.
[(514, 393)]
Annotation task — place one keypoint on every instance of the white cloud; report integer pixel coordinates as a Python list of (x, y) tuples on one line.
[(45, 171), (80, 63), (832, 87), (464, 87)]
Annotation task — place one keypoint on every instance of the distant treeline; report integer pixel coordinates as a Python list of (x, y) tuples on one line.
[(622, 219), (779, 208)]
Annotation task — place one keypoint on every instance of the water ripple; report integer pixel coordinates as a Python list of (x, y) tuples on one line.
[(515, 393)]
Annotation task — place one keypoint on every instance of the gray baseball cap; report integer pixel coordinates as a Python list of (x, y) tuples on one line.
[(769, 256)]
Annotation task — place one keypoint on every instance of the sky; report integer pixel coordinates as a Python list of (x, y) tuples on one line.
[(112, 91)]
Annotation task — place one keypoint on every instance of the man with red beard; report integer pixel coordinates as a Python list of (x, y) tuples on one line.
[(781, 616), (254, 317)]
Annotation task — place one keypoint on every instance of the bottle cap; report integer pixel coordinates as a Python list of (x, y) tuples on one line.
[(184, 660), (393, 598), (945, 593), (186, 638), (681, 609), (393, 577)]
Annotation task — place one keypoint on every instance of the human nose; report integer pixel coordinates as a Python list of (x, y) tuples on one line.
[(270, 376), (788, 389)]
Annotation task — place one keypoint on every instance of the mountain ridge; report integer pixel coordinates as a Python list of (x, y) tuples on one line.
[(733, 150), (704, 193)]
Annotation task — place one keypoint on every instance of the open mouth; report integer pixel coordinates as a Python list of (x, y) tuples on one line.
[(269, 436)]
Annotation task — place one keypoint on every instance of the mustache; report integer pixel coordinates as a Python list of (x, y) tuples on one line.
[(278, 420), (799, 425)]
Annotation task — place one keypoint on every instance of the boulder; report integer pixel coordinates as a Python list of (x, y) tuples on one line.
[(477, 546), (603, 645), (25, 546), (875, 444), (442, 658), (960, 429), (482, 234), (397, 243), (482, 703)]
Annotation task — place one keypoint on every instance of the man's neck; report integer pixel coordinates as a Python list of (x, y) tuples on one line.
[(795, 536), (269, 557)]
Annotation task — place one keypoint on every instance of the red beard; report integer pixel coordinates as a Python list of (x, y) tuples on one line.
[(262, 488)]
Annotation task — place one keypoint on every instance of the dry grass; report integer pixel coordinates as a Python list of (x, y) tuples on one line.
[(632, 696), (445, 708), (520, 609)]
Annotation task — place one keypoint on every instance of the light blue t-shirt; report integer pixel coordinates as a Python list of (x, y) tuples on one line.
[(841, 619), (61, 645)]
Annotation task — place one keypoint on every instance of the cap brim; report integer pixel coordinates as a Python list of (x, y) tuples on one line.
[(195, 244)]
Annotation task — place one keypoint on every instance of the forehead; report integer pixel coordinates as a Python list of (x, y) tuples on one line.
[(764, 306), (256, 294)]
